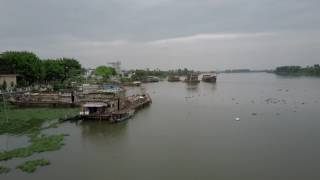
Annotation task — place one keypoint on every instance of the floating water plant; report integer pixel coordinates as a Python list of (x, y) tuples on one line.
[(31, 166), (4, 169), (28, 120), (39, 143)]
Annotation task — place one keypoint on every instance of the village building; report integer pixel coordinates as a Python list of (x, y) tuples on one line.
[(8, 80)]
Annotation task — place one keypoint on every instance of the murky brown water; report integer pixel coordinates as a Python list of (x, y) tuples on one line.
[(190, 132)]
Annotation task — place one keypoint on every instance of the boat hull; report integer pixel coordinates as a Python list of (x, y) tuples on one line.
[(210, 79)]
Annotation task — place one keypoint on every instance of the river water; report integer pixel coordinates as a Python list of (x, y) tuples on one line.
[(190, 132)]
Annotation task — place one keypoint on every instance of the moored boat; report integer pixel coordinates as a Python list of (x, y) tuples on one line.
[(173, 78), (209, 78), (151, 79), (95, 111), (121, 115), (114, 112), (192, 78)]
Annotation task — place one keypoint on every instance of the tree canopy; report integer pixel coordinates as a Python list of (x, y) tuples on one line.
[(31, 69), (105, 71), (26, 64), (297, 70)]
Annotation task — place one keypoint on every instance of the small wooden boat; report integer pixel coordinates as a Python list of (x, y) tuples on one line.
[(136, 83), (209, 78), (121, 116)]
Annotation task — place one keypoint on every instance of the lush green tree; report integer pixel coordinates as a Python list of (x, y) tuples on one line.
[(297, 70), (71, 68), (24, 63), (61, 69), (31, 69), (105, 71), (53, 69)]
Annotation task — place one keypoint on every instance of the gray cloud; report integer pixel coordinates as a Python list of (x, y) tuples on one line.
[(200, 34)]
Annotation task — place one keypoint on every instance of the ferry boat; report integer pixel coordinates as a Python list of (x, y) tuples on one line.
[(192, 78), (209, 78)]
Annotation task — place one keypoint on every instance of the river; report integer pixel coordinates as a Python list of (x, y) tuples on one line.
[(191, 132)]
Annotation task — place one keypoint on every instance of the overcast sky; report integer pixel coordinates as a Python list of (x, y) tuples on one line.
[(198, 34)]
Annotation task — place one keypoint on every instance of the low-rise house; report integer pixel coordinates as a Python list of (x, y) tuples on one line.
[(8, 80)]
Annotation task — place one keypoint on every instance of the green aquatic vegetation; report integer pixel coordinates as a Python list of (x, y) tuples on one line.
[(39, 143), (31, 166), (28, 120), (4, 169)]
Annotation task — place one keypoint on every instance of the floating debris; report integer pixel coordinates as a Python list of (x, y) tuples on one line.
[(278, 114), (237, 119), (272, 101), (254, 114)]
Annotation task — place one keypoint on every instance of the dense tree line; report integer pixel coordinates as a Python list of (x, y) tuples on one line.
[(298, 70), (141, 74), (180, 72), (32, 70)]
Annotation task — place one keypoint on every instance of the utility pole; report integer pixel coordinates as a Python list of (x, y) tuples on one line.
[(4, 108), (7, 120)]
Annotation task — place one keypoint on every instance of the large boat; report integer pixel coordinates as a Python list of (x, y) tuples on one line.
[(192, 78), (173, 78), (114, 112), (95, 111), (151, 79), (209, 78)]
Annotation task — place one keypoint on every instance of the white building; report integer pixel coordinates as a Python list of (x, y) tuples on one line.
[(9, 79)]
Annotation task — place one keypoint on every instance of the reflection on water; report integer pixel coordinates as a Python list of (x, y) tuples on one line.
[(102, 130), (192, 87)]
